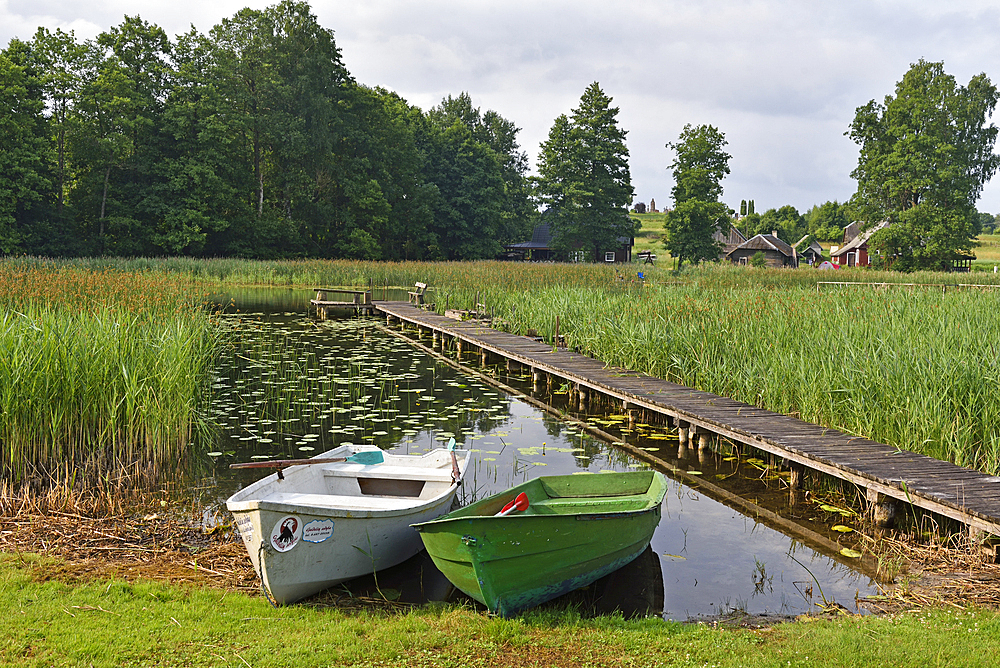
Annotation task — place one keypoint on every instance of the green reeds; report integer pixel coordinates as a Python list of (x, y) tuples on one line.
[(100, 374)]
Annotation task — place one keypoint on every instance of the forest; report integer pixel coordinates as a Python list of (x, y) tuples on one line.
[(252, 140)]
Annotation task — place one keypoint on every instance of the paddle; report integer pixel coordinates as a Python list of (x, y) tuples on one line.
[(520, 503), (365, 457), (456, 474)]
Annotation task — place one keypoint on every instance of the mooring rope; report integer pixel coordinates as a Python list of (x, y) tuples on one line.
[(263, 587)]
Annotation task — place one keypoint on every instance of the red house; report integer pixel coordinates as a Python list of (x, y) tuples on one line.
[(854, 252)]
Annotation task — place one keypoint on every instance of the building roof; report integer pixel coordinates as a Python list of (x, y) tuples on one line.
[(766, 242), (860, 240), (541, 237)]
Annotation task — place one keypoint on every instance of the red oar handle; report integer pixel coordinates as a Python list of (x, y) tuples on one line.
[(520, 503)]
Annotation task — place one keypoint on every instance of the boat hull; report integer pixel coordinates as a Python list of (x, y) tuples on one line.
[(516, 562), (303, 543)]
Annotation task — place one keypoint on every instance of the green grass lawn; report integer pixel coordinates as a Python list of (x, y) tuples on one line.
[(649, 237), (45, 622)]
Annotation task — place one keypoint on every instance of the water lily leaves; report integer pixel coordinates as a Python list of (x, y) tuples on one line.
[(851, 554), (841, 528), (834, 509)]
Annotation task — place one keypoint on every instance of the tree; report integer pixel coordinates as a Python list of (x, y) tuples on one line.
[(699, 165), (786, 221), (584, 177), (926, 154), (827, 221), (500, 136), (24, 150)]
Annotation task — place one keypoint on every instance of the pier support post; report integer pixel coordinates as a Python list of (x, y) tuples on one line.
[(458, 348), (882, 509), (536, 380), (584, 397), (434, 340), (797, 472), (484, 358)]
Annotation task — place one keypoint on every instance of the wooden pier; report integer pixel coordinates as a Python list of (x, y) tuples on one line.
[(889, 475), (360, 301)]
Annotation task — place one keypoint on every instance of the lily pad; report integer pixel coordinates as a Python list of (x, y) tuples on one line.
[(852, 554)]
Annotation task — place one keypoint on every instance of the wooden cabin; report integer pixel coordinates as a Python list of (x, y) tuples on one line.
[(776, 252), (541, 249), (854, 251)]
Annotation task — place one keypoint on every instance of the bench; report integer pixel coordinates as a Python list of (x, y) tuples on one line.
[(417, 296)]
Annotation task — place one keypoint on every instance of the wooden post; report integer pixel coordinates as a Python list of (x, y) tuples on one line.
[(557, 332), (881, 509), (484, 358), (458, 348), (434, 340), (682, 432), (795, 482), (536, 380)]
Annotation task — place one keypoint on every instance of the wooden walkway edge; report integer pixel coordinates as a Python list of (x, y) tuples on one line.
[(965, 495)]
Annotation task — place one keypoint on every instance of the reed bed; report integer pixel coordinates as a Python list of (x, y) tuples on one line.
[(914, 367), (101, 373)]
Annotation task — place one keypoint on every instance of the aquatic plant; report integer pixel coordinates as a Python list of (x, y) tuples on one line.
[(100, 372)]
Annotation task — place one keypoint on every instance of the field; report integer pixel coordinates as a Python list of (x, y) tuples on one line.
[(650, 235)]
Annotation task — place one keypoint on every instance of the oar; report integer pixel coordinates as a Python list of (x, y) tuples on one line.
[(456, 474), (520, 503), (365, 457)]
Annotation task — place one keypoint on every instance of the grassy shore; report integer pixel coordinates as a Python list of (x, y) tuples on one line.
[(44, 622)]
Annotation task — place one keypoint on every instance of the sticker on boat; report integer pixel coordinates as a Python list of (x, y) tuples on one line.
[(286, 533), (245, 526), (317, 531)]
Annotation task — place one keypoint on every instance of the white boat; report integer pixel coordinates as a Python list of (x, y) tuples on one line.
[(315, 525)]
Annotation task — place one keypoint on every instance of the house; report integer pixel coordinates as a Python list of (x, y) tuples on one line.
[(775, 251), (854, 252), (812, 254), (729, 240), (541, 249)]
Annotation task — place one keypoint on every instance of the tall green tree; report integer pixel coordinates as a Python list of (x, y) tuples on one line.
[(699, 165), (925, 155), (500, 135), (584, 178), (25, 186), (827, 221), (785, 220)]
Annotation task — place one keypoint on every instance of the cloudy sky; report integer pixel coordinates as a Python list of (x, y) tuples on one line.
[(780, 78)]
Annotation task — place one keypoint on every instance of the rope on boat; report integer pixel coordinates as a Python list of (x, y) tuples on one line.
[(263, 587)]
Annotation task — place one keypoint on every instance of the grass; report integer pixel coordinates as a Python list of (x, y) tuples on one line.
[(44, 622), (650, 235), (100, 372)]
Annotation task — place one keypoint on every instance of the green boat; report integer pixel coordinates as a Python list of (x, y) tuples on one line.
[(576, 529)]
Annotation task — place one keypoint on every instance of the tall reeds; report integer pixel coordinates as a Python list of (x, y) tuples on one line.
[(100, 372)]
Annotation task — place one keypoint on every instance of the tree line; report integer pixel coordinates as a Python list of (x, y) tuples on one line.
[(251, 140)]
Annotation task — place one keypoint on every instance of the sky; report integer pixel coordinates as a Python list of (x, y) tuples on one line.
[(780, 78)]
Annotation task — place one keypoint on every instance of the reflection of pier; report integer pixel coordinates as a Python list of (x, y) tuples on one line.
[(889, 475), (358, 300)]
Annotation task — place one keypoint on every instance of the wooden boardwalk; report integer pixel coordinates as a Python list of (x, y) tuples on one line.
[(967, 496)]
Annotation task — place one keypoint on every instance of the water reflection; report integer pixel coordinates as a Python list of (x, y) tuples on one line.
[(291, 387)]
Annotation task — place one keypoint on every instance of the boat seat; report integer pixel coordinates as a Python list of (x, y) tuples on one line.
[(597, 504), (388, 471), (343, 502)]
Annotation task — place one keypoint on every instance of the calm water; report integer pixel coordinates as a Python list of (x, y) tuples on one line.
[(294, 387)]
